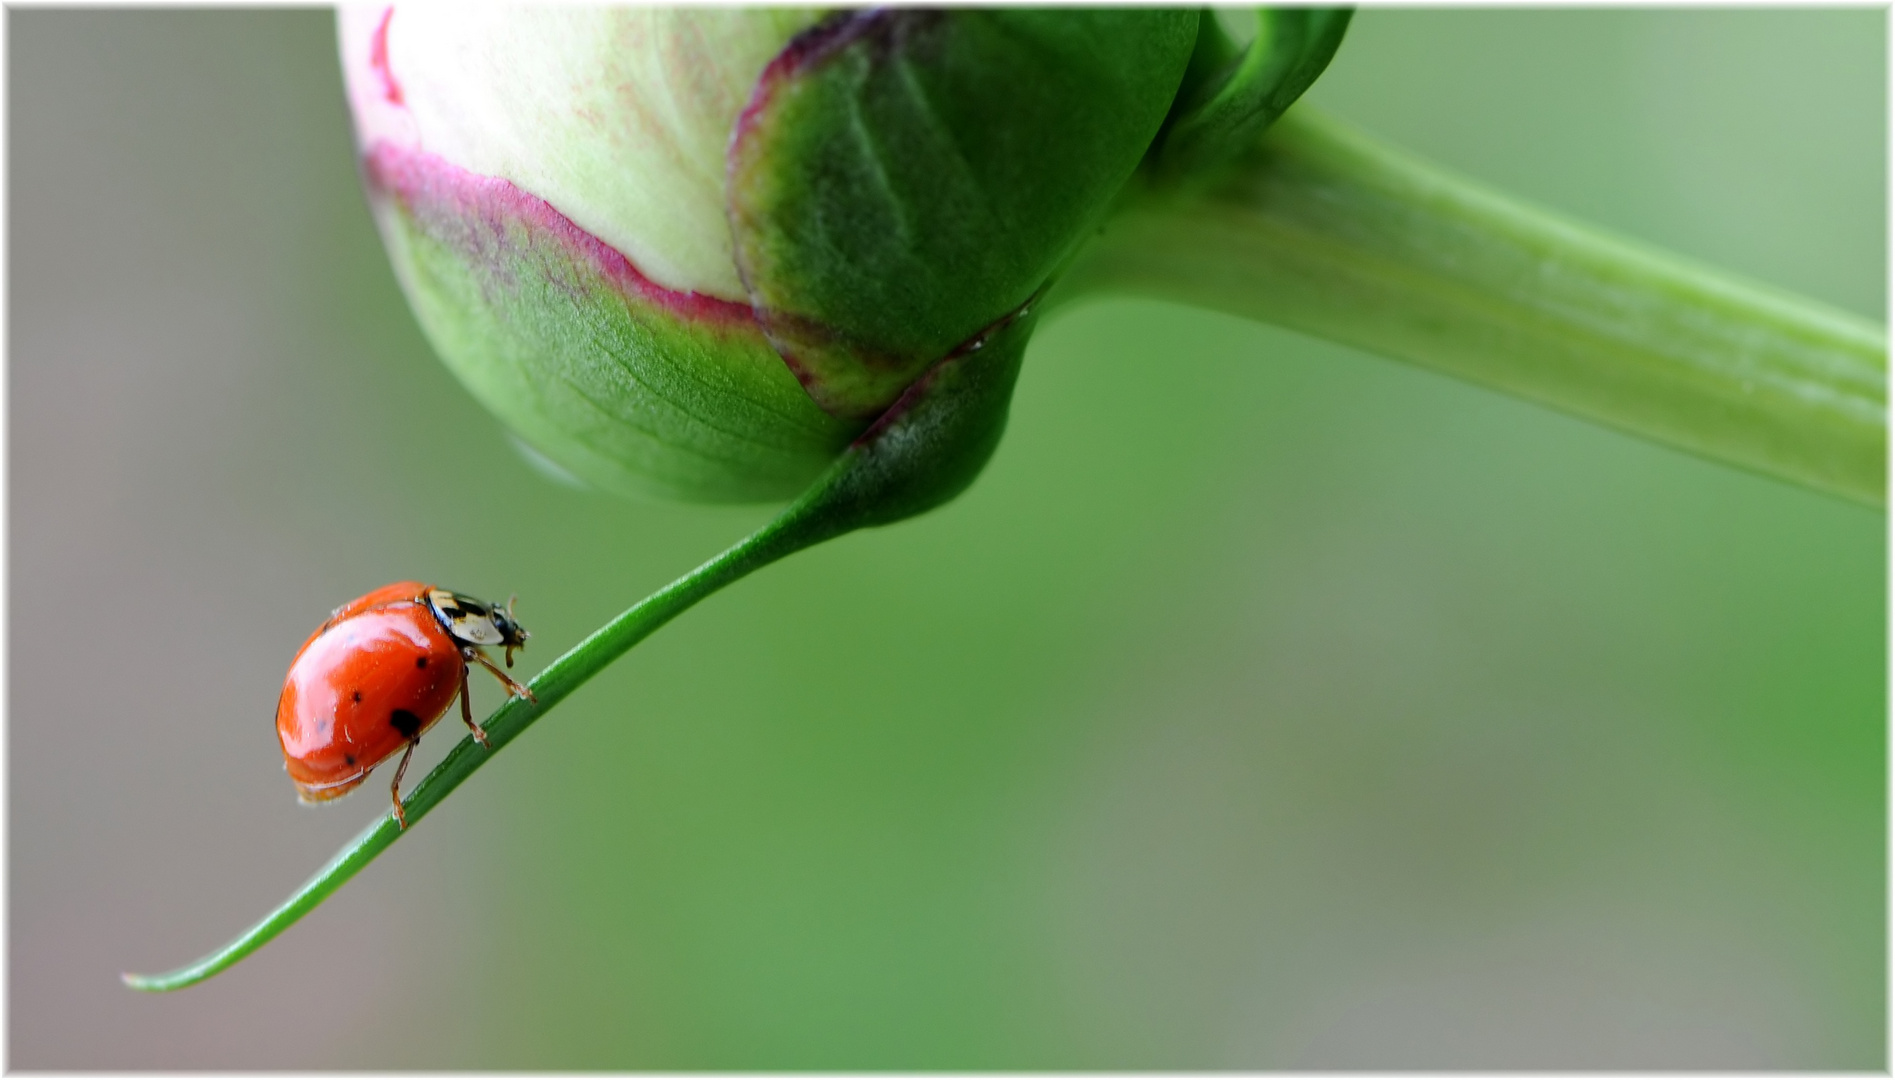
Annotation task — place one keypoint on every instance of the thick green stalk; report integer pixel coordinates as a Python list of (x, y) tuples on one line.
[(1325, 231)]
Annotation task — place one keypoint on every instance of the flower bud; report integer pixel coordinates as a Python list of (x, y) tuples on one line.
[(697, 251), (549, 183)]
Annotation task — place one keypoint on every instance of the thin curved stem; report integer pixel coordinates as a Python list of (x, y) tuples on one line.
[(1322, 229), (796, 528)]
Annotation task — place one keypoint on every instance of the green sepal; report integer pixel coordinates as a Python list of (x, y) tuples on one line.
[(1230, 97), (903, 178), (929, 446)]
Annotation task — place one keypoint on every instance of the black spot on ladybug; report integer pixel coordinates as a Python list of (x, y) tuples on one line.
[(407, 723), (355, 696), (349, 758), (421, 661)]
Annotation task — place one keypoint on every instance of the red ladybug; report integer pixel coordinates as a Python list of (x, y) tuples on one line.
[(380, 672)]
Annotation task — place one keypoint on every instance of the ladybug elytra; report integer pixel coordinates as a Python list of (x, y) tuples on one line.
[(376, 675)]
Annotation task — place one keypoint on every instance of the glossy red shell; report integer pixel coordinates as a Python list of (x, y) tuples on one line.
[(381, 663)]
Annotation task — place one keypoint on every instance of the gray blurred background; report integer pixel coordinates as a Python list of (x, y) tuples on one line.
[(1266, 704)]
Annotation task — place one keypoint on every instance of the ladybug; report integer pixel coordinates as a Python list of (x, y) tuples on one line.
[(380, 672)]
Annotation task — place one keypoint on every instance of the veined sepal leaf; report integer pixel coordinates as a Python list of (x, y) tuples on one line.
[(902, 178)]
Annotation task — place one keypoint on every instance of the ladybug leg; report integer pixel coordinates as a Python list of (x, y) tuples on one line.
[(394, 789), (514, 688), (467, 712)]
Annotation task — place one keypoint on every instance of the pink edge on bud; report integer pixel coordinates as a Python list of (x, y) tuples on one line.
[(378, 60), (803, 50), (433, 188)]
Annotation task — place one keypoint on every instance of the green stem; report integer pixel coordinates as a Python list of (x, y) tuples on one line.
[(796, 528), (1325, 231)]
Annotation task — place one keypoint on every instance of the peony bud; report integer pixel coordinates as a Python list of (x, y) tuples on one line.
[(551, 183), (695, 252)]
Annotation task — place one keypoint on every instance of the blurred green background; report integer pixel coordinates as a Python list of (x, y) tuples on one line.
[(1265, 705)]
